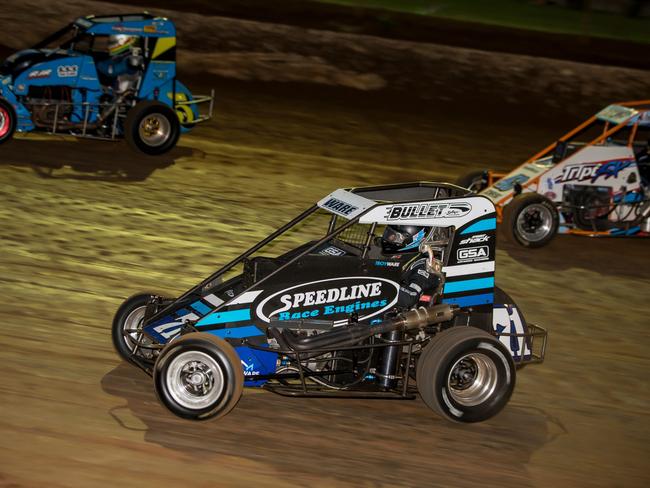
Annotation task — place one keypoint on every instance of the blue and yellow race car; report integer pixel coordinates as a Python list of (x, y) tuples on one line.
[(102, 77)]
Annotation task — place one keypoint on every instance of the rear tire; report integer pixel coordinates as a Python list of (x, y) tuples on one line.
[(465, 375), (198, 377), (531, 220), (474, 181), (7, 121), (129, 316), (152, 127)]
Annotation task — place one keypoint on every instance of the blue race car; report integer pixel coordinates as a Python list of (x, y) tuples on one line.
[(102, 77), (393, 284)]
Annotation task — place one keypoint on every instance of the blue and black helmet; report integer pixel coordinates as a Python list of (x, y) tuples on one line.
[(400, 238)]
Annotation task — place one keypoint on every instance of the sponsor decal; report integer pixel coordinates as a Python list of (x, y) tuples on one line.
[(230, 293), (472, 254), (593, 171), (428, 211), (249, 369), (389, 264), (508, 183), (339, 206), (475, 239), (507, 323), (68, 71), (39, 73), (492, 193), (123, 28), (332, 251), (333, 299)]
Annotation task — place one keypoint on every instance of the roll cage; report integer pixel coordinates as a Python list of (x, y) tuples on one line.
[(406, 193)]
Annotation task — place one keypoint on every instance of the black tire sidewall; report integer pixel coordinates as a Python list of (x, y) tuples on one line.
[(128, 306), (175, 348), (135, 117), (512, 211), (12, 120), (503, 390)]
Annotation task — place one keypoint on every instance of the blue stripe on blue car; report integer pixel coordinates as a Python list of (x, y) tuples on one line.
[(466, 285), (226, 317), (481, 226), (201, 307), (471, 300), (182, 312), (237, 332)]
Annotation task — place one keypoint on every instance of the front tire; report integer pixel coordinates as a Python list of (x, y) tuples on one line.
[(465, 375), (530, 220), (152, 128), (198, 377), (7, 121)]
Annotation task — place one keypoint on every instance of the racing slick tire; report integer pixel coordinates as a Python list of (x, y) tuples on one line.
[(530, 220), (128, 318), (152, 128), (465, 374), (198, 377), (474, 181), (7, 121)]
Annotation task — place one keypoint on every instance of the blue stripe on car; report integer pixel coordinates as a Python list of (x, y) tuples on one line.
[(468, 301), (466, 285), (481, 226), (226, 317), (237, 332), (201, 307)]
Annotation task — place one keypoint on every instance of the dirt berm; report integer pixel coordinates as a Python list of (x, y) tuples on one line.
[(257, 51)]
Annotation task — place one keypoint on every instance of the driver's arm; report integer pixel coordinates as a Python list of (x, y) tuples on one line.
[(416, 282)]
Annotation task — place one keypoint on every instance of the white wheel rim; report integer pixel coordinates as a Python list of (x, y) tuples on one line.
[(132, 326), (472, 379), (194, 380)]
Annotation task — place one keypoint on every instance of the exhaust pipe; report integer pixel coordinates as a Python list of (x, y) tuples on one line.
[(350, 335)]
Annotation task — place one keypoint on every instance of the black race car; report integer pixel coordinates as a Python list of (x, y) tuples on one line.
[(393, 296)]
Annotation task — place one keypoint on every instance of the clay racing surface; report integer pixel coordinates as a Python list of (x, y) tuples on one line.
[(86, 224)]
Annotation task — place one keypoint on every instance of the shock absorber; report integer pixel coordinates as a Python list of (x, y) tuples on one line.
[(387, 372)]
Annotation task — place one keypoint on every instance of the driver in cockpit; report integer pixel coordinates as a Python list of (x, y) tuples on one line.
[(422, 277), (124, 64)]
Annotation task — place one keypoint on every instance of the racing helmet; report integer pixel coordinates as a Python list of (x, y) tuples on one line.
[(398, 238), (119, 43)]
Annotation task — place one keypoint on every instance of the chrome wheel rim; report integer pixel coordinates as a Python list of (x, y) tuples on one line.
[(155, 130), (132, 327), (534, 222), (194, 380), (472, 379)]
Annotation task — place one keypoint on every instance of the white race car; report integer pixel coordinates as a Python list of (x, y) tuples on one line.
[(595, 181)]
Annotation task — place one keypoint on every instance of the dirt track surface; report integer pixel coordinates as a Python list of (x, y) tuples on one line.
[(86, 224), (258, 51)]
